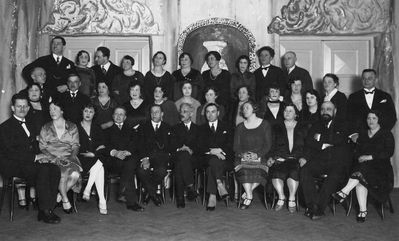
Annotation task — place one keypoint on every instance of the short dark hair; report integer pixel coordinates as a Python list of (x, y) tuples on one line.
[(246, 87), (275, 86), (266, 48), (332, 76), (208, 88), (80, 53), (369, 70), (254, 105), (163, 89), (212, 104), (295, 109), (315, 93), (240, 58), (159, 52), (73, 74), (186, 54), (30, 85), (106, 52), (128, 57), (216, 54), (120, 107), (132, 85), (377, 113), (59, 37), (89, 105), (155, 105), (18, 96), (59, 103)]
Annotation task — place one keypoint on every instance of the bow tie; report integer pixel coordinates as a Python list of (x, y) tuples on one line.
[(368, 92), (265, 68), (273, 101), (21, 122)]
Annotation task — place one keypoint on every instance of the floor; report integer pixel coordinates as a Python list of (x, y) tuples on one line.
[(194, 223)]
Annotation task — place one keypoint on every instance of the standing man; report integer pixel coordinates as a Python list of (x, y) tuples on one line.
[(295, 72), (369, 98), (267, 74), (20, 157), (104, 69), (73, 99), (57, 67)]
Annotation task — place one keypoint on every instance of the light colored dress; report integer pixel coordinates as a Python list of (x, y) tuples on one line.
[(61, 147)]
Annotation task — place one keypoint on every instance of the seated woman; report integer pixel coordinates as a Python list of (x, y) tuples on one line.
[(330, 85), (373, 173), (271, 107), (170, 113), (136, 108), (287, 149), (186, 89), (243, 94), (59, 141), (310, 113), (211, 94), (38, 113), (294, 95), (91, 155), (105, 105), (252, 142)]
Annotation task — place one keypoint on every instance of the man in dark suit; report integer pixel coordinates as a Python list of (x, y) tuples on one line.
[(326, 152), (184, 142), (154, 153), (104, 69), (216, 149), (57, 67), (295, 72), (20, 157), (73, 99), (267, 74), (122, 145), (369, 98)]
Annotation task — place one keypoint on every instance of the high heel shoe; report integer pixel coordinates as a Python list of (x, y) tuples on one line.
[(361, 217), (66, 209), (291, 209), (339, 196), (86, 196), (22, 203), (103, 208), (279, 206), (246, 203)]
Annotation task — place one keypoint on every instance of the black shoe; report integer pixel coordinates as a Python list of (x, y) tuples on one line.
[(308, 212), (48, 217), (135, 207), (245, 204), (210, 209), (317, 216), (191, 194), (121, 198), (34, 203), (180, 203), (156, 200), (146, 198), (339, 196), (361, 217)]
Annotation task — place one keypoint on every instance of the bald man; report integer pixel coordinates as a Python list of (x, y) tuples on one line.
[(295, 72)]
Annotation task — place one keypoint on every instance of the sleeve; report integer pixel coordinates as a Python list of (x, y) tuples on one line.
[(74, 139), (237, 141), (388, 143), (11, 150), (43, 139), (391, 118), (267, 140)]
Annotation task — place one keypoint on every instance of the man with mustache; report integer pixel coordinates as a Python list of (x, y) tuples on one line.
[(326, 153)]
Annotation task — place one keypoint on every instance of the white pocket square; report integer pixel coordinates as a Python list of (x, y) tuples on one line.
[(224, 132), (383, 101)]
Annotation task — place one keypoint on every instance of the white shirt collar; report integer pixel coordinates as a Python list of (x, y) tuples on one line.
[(73, 92), (368, 90), (57, 56), (187, 124), (215, 123), (106, 66), (332, 93), (329, 124), (20, 119), (291, 69), (154, 124), (264, 66)]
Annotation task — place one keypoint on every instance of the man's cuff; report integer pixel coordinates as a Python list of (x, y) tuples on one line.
[(112, 152)]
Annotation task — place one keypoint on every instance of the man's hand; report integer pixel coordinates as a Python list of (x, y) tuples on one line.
[(270, 162), (145, 163), (354, 137), (62, 88), (87, 154), (302, 162), (365, 158), (220, 156)]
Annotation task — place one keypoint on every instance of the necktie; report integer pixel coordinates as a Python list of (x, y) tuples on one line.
[(58, 60), (22, 123), (213, 128), (368, 92), (265, 68), (73, 95), (187, 129), (119, 126), (156, 127), (103, 69)]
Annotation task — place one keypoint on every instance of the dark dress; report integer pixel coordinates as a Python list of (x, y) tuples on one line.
[(151, 81), (170, 113), (265, 112), (89, 143), (222, 83), (194, 77), (87, 80), (104, 112), (122, 82), (377, 174), (308, 119), (38, 117), (257, 140), (280, 149), (242, 79), (136, 116)]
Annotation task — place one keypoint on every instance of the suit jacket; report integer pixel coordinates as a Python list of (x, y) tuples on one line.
[(125, 139), (222, 138), (280, 146), (180, 136), (303, 75), (274, 75), (340, 102), (358, 110), (154, 142), (56, 75), (15, 144), (73, 106), (113, 71), (265, 113), (335, 135)]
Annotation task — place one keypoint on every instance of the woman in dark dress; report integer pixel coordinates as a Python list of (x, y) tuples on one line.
[(218, 78), (252, 142), (38, 113), (104, 105), (187, 74), (271, 108), (242, 77), (158, 76), (136, 108), (330, 85), (86, 74), (294, 95), (287, 149), (170, 113), (91, 155), (310, 113), (122, 81), (373, 173)]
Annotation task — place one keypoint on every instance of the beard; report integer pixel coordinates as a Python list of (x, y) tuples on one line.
[(326, 118)]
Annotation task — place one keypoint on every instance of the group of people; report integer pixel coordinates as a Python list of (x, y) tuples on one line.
[(269, 126)]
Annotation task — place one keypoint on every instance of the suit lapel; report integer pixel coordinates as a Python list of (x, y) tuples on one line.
[(376, 99)]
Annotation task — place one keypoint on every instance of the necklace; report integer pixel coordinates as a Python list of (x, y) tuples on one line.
[(106, 105)]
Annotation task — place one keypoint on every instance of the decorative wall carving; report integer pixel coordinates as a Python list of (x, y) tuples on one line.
[(220, 21), (324, 17), (71, 17)]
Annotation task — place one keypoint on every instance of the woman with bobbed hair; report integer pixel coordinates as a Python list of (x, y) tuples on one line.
[(331, 93), (86, 74), (137, 108), (211, 94), (242, 77), (310, 113)]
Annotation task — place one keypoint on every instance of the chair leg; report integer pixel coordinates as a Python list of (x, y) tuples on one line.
[(390, 204), (204, 189), (265, 197), (297, 201), (350, 203), (12, 199), (333, 206), (3, 192), (382, 211), (74, 198)]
